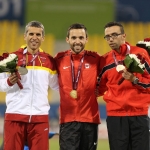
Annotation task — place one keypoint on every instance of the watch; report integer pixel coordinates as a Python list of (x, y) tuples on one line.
[(136, 80)]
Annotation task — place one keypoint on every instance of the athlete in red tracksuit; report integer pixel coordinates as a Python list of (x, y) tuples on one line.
[(127, 103), (77, 74)]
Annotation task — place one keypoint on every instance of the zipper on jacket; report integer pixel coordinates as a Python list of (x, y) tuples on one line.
[(32, 88)]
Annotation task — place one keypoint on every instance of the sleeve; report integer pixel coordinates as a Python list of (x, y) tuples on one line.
[(144, 79), (102, 80), (53, 79), (4, 87), (53, 83)]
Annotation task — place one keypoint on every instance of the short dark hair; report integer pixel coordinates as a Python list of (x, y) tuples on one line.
[(77, 26), (36, 24), (110, 24)]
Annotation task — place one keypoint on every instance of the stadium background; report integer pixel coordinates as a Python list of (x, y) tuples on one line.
[(57, 15)]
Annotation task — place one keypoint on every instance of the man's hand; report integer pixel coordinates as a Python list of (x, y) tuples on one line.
[(13, 78), (128, 76)]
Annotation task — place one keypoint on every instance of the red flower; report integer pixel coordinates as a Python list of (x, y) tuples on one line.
[(5, 55), (141, 58), (147, 40), (1, 58)]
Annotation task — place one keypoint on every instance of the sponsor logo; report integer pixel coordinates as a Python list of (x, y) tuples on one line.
[(87, 65), (65, 67), (45, 129)]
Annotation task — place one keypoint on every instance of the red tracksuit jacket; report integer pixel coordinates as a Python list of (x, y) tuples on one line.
[(85, 107), (126, 99)]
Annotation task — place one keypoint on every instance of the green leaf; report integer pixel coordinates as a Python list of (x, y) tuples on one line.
[(136, 68), (132, 65), (128, 61), (4, 69), (11, 65)]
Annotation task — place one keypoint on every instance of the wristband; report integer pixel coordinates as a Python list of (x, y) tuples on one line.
[(136, 80)]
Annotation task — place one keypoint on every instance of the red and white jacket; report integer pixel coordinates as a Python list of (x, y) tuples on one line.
[(85, 107), (30, 104), (125, 99)]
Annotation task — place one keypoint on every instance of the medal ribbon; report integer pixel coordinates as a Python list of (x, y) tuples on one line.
[(117, 63), (114, 56), (24, 58), (75, 81)]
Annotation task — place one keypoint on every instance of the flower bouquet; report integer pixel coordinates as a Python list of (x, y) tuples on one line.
[(145, 44), (8, 63), (133, 63)]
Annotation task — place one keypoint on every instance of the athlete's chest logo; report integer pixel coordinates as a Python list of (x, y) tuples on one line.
[(87, 65)]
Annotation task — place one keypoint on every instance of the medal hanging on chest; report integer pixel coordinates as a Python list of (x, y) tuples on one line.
[(120, 63), (22, 69), (73, 92)]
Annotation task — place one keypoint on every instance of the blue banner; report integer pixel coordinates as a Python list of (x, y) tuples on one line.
[(12, 10), (133, 10)]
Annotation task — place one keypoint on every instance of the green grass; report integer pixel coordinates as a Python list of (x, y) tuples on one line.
[(57, 15), (102, 144), (54, 145)]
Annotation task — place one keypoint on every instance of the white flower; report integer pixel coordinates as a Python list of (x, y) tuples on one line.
[(10, 58), (133, 56), (144, 42)]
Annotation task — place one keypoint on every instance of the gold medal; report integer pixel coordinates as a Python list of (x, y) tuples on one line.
[(73, 94)]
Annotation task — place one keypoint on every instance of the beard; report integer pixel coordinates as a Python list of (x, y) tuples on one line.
[(77, 48)]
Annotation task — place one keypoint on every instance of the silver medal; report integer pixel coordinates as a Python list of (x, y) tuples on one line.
[(22, 70)]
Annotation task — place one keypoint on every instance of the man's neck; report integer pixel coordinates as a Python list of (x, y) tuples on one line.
[(117, 50), (32, 51)]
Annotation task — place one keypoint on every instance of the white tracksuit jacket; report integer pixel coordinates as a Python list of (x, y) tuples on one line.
[(30, 104)]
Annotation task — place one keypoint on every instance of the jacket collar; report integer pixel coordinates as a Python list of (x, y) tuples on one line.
[(124, 49)]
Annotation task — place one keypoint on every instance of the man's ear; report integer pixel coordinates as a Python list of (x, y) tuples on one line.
[(25, 37), (124, 35), (87, 39), (43, 38), (67, 39)]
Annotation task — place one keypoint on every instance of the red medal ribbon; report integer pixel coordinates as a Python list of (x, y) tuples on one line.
[(75, 80)]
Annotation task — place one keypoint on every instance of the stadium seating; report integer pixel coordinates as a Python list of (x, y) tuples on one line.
[(135, 32), (12, 38)]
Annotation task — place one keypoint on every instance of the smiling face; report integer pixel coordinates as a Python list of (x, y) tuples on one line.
[(77, 40), (116, 38), (33, 37)]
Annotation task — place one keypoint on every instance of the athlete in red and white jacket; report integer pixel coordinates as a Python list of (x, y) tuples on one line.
[(26, 117), (23, 104)]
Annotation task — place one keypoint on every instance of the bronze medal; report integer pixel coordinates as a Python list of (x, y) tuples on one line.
[(73, 94)]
